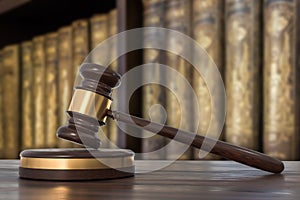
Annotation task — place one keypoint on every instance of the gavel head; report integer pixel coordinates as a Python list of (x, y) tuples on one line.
[(90, 102)]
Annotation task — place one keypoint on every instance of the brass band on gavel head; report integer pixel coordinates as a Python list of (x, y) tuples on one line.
[(90, 103)]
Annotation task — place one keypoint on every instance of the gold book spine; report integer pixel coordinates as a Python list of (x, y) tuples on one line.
[(65, 82), (281, 136), (243, 65), (154, 93), (208, 32), (51, 95), (111, 125), (112, 30), (39, 85), (177, 17), (99, 32), (11, 100), (1, 109), (80, 44), (27, 96)]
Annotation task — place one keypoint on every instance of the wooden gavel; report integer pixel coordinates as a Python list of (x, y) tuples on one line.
[(90, 106)]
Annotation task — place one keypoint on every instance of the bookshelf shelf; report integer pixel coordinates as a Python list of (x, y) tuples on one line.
[(40, 17)]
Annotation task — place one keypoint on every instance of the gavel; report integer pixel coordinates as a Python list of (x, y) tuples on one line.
[(90, 107)]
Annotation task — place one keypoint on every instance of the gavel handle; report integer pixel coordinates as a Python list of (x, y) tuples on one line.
[(229, 151)]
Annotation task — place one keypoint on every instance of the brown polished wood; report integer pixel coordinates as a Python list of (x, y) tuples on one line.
[(100, 80), (75, 153), (224, 149), (75, 175), (76, 164), (181, 180)]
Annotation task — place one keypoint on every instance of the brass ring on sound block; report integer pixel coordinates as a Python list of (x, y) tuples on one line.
[(90, 104), (76, 164)]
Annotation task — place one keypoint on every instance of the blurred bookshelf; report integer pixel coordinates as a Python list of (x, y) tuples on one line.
[(253, 43), (24, 20)]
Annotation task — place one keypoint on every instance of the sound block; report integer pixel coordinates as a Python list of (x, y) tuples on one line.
[(76, 164)]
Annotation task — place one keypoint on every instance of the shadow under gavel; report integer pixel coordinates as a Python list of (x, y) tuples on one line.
[(90, 106)]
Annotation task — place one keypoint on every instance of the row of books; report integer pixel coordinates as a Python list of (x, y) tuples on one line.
[(255, 45), (37, 79)]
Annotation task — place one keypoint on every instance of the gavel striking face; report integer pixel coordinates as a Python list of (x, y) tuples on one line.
[(90, 106)]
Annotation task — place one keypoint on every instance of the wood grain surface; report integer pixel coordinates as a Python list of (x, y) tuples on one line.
[(181, 180)]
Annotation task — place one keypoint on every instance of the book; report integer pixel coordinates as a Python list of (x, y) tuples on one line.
[(243, 65), (112, 30), (65, 81), (99, 32), (99, 29), (280, 75), (208, 32), (178, 18), (11, 100), (27, 96), (1, 109), (51, 89), (153, 144), (39, 85), (80, 45), (112, 127)]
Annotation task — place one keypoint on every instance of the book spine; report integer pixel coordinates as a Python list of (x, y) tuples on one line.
[(208, 31), (280, 72), (178, 18), (80, 45), (65, 83), (112, 30), (99, 32), (243, 65), (51, 54), (154, 93), (1, 109), (39, 83), (112, 127), (27, 96), (11, 100)]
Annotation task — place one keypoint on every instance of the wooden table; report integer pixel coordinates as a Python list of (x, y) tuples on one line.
[(181, 180)]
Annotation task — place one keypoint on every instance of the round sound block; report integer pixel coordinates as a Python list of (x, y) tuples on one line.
[(76, 164)]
